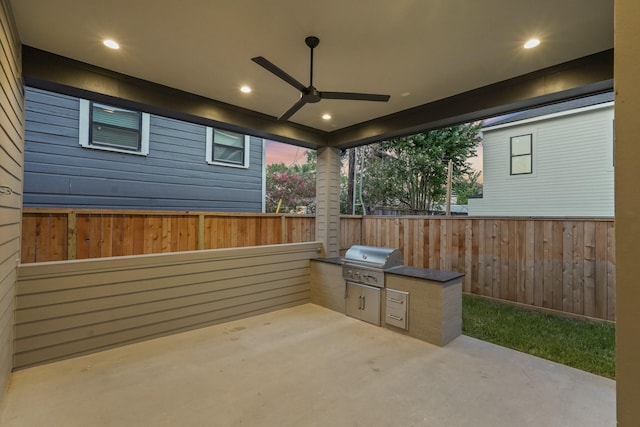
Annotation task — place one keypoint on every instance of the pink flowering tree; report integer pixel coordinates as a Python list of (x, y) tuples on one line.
[(295, 185)]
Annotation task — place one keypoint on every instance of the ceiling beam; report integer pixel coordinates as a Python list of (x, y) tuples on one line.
[(52, 72), (581, 77)]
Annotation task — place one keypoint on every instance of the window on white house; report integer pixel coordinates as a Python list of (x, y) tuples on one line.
[(227, 148), (521, 155), (105, 127)]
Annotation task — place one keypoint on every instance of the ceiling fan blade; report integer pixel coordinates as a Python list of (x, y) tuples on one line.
[(269, 66), (355, 96), (291, 111)]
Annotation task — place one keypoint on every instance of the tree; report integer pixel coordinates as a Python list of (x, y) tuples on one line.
[(465, 186), (350, 181), (295, 185), (411, 172)]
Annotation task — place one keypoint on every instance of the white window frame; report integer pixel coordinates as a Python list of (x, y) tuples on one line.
[(85, 126), (209, 151)]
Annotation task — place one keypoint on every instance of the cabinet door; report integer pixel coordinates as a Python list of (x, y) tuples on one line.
[(353, 298), (370, 305), (363, 302)]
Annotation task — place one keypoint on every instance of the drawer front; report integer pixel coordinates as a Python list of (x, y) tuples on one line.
[(397, 318), (397, 299), (397, 309)]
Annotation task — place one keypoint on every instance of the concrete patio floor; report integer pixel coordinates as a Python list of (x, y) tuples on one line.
[(306, 366)]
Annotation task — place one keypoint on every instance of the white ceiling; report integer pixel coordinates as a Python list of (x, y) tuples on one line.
[(423, 49)]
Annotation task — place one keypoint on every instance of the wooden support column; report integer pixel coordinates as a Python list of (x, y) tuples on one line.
[(627, 179), (328, 201)]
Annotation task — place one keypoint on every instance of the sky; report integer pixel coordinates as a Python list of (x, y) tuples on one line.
[(277, 152)]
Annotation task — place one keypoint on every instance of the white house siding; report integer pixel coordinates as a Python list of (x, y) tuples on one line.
[(572, 167)]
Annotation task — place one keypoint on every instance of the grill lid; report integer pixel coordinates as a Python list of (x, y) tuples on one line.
[(373, 256)]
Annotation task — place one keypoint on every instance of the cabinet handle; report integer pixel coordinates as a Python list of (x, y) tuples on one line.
[(363, 302), (360, 302), (399, 301), (394, 317)]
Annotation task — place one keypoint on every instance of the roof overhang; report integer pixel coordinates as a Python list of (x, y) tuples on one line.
[(581, 77)]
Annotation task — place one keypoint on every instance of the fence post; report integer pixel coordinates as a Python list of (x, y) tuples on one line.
[(72, 235), (283, 229), (201, 232)]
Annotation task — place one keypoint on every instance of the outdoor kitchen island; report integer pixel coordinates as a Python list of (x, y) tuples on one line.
[(419, 302)]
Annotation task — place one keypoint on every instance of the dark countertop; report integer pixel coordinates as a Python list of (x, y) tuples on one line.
[(403, 270), (424, 273), (335, 260)]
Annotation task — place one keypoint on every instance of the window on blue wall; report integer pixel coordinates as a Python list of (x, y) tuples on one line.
[(112, 128), (227, 148), (522, 154)]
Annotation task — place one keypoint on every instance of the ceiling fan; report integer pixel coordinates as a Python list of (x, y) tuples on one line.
[(309, 94)]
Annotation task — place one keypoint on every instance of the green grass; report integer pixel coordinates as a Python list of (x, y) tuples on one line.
[(582, 344)]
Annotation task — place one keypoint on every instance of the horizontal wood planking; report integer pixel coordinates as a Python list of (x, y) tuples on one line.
[(327, 285), (77, 307), (561, 264), (11, 175), (565, 264)]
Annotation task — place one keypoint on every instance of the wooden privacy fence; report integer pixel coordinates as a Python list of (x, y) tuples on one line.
[(64, 234), (561, 264)]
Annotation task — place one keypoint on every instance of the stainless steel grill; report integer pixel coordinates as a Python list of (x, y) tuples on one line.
[(366, 264)]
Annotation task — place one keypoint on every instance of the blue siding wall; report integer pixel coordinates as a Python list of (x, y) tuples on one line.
[(58, 172)]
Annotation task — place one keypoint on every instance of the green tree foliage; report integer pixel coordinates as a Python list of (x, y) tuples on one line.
[(411, 172), (345, 203), (295, 185), (465, 186)]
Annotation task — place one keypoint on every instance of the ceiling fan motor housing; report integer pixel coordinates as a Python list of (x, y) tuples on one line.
[(312, 95)]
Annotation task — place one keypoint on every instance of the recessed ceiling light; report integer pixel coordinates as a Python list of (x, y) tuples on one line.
[(245, 89), (111, 44), (326, 116), (531, 43)]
